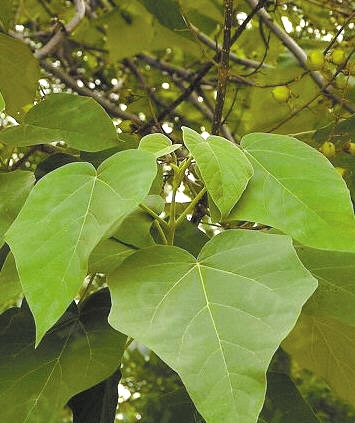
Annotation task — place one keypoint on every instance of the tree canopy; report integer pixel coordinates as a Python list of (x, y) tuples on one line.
[(177, 175)]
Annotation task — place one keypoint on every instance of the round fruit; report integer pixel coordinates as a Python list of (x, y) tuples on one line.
[(349, 147), (328, 149), (281, 93), (341, 170), (338, 57), (315, 60)]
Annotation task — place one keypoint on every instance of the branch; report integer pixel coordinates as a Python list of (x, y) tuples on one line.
[(212, 44), (223, 68), (59, 36), (301, 56), (110, 107), (142, 130)]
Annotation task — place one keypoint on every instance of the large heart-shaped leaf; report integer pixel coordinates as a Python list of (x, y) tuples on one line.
[(14, 189), (79, 352), (218, 319), (78, 121), (224, 167), (64, 218), (295, 189), (18, 83)]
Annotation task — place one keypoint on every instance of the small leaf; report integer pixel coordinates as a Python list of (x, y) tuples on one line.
[(295, 189), (79, 352), (216, 320), (14, 189), (158, 144), (67, 213), (78, 121), (19, 75), (223, 166)]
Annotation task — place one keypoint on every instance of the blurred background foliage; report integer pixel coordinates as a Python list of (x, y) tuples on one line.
[(153, 66)]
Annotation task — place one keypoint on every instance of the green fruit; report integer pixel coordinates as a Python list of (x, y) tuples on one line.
[(349, 147), (338, 57), (328, 149), (315, 60), (341, 170), (281, 93)]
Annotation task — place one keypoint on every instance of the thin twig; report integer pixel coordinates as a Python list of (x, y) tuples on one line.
[(59, 36), (70, 82), (301, 57), (234, 58)]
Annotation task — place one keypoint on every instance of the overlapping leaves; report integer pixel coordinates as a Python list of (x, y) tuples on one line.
[(216, 320), (295, 189), (64, 218), (224, 168), (80, 351)]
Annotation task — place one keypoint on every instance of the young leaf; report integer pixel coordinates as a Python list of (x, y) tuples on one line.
[(14, 189), (78, 121), (79, 352), (325, 346), (18, 85), (158, 144), (64, 218), (224, 168), (295, 189), (216, 320)]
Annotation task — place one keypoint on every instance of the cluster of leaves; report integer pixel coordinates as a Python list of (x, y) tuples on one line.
[(213, 284)]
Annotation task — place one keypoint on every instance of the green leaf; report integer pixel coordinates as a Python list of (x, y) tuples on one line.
[(129, 31), (216, 320), (167, 12), (67, 213), (7, 14), (79, 352), (158, 144), (335, 295), (19, 75), (134, 230), (97, 404), (78, 121), (52, 162), (108, 255), (325, 346), (14, 189), (189, 237), (284, 404), (223, 166), (2, 103), (295, 189), (10, 286)]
